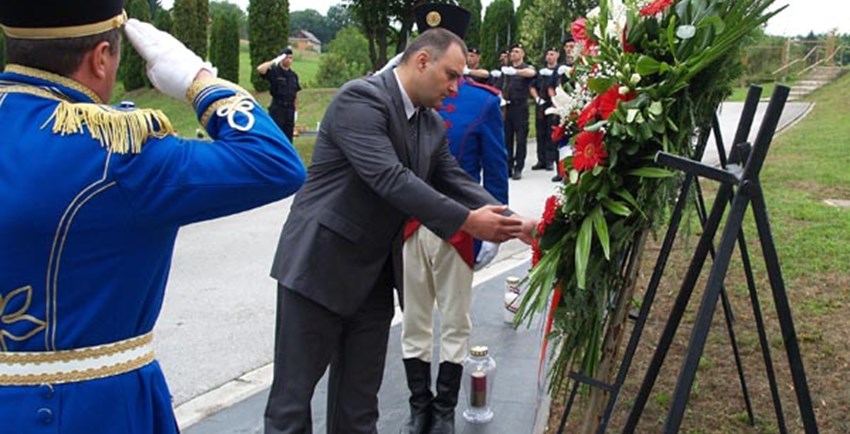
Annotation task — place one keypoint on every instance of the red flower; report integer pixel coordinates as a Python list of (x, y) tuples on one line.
[(550, 211), (557, 133), (589, 150), (589, 114), (579, 32), (656, 7), (624, 38), (608, 101)]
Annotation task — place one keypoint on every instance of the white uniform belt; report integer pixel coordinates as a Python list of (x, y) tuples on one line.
[(67, 366)]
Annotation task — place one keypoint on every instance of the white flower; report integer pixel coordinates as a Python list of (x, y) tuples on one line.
[(623, 90), (635, 79)]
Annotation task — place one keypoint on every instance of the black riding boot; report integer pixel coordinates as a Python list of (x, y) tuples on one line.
[(443, 406), (419, 382)]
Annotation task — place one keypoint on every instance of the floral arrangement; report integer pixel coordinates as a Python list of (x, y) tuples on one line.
[(649, 79)]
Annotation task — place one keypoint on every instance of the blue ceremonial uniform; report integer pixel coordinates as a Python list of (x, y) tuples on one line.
[(88, 235), (478, 147)]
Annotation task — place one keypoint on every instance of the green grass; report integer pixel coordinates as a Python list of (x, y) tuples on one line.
[(739, 94)]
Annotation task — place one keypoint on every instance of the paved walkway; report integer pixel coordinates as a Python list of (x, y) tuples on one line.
[(514, 395), (214, 339)]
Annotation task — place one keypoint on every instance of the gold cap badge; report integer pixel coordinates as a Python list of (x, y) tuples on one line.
[(433, 18)]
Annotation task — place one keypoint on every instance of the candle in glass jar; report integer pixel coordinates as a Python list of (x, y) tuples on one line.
[(478, 397)]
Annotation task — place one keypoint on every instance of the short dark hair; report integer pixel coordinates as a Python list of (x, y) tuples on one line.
[(60, 56), (435, 42)]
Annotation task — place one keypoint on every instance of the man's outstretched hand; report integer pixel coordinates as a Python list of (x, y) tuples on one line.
[(489, 223)]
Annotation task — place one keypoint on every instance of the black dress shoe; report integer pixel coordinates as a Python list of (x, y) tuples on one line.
[(517, 176), (540, 166), (549, 168), (557, 178)]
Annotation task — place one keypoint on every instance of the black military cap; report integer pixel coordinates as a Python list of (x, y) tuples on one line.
[(474, 50), (287, 51), (517, 45), (53, 19), (441, 15), (567, 38)]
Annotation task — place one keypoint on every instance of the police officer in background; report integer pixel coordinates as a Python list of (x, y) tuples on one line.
[(516, 88), (542, 92), (284, 90), (564, 74), (473, 65), (496, 79)]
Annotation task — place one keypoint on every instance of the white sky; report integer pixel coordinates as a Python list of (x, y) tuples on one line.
[(799, 18)]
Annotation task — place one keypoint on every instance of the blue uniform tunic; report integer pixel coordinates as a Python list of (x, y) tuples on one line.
[(476, 136), (87, 235)]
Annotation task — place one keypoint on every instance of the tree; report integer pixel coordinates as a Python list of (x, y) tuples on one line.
[(183, 13), (132, 68), (220, 8), (473, 34), (499, 22), (339, 17), (346, 59), (546, 22), (313, 22), (268, 27), (374, 19), (163, 21), (224, 46), (202, 23)]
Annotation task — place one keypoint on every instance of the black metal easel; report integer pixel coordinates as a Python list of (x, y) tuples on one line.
[(729, 176), (745, 177)]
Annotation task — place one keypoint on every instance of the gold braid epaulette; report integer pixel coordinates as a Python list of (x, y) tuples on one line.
[(120, 131)]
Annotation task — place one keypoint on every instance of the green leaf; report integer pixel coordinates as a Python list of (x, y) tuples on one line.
[(650, 172), (583, 251), (600, 85), (645, 66), (596, 126), (601, 227), (617, 207)]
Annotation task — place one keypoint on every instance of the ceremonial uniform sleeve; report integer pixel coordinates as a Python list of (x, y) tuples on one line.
[(183, 181), (494, 155), (359, 129)]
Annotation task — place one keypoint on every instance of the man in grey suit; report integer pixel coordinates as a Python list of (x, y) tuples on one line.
[(380, 157)]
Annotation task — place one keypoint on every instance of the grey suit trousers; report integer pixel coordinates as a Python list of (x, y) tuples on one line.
[(309, 338)]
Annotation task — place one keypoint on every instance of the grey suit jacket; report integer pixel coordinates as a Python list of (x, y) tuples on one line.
[(366, 178)]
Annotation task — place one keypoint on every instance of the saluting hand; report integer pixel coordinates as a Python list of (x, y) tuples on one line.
[(171, 66)]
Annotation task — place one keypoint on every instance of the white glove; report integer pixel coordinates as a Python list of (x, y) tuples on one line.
[(539, 101), (278, 59), (466, 70), (391, 64), (546, 72), (495, 73), (564, 70), (485, 255), (508, 70), (295, 118), (171, 66)]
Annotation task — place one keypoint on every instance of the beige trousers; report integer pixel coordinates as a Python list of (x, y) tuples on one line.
[(434, 272)]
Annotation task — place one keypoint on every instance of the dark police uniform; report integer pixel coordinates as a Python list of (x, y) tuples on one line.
[(547, 152), (284, 88), (516, 90)]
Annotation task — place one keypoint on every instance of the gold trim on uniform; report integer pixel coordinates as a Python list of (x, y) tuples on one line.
[(202, 83), (75, 376), (11, 358), (120, 131), (67, 32), (55, 78)]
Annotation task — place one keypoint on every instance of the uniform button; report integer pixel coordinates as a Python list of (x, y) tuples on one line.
[(45, 416), (47, 391)]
